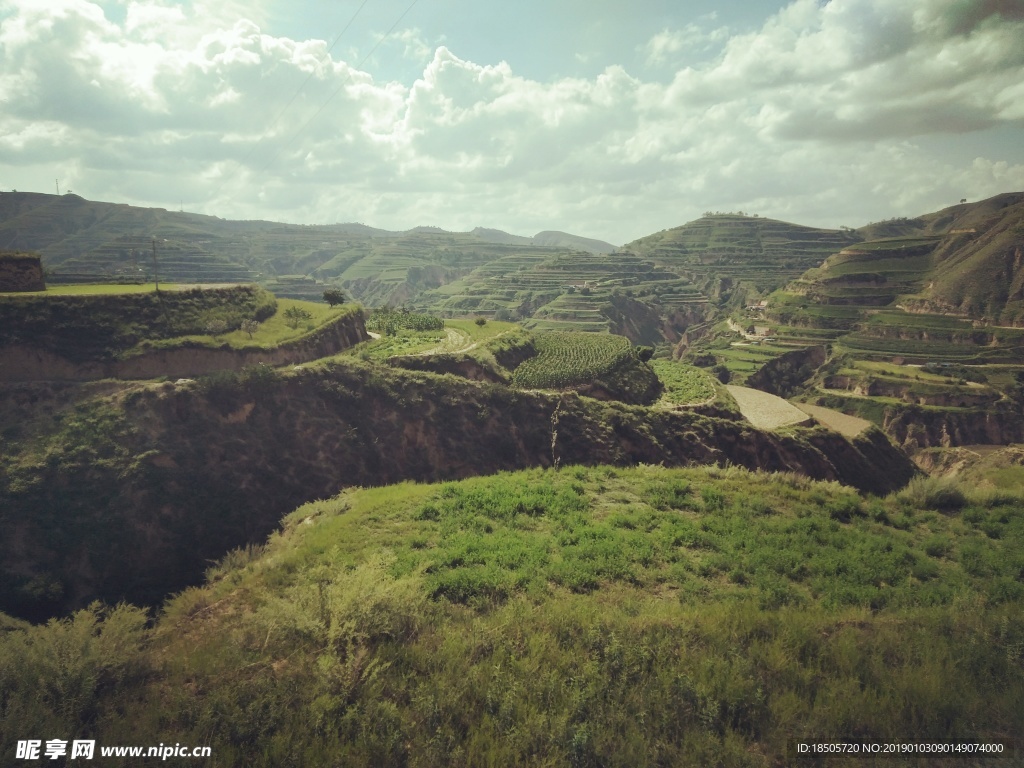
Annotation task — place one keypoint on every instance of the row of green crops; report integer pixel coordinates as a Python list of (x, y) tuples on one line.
[(388, 321), (568, 359)]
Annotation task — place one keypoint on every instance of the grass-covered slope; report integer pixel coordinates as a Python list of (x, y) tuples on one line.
[(127, 495), (84, 325), (578, 617)]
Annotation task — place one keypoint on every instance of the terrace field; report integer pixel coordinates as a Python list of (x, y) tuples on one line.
[(598, 364), (762, 252)]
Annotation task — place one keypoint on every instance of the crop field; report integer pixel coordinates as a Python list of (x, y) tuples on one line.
[(567, 326), (273, 331), (850, 426), (748, 358), (684, 384), (116, 289), (455, 336), (567, 359), (765, 411), (897, 243)]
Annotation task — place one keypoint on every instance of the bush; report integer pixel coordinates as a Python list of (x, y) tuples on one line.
[(940, 493), (296, 316)]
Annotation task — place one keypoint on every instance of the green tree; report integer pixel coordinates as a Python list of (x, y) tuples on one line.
[(295, 316), (334, 296), (250, 326)]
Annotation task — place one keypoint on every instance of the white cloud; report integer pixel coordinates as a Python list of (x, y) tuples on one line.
[(693, 38), (812, 117)]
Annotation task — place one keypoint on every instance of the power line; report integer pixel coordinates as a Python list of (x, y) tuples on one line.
[(345, 82), (298, 90), (313, 72)]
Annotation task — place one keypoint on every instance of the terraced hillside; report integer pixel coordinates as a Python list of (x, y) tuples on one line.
[(764, 252), (568, 291), (944, 292)]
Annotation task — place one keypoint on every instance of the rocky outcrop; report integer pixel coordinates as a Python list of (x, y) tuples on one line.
[(20, 272)]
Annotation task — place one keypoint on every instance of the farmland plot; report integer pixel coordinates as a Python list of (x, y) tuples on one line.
[(766, 411), (848, 426)]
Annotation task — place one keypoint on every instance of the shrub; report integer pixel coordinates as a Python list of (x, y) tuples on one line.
[(940, 493), (216, 327), (296, 316)]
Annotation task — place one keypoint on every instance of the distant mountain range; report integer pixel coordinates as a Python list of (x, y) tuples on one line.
[(552, 238), (966, 260)]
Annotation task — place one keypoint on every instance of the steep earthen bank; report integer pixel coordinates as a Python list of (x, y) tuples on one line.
[(915, 428), (131, 499), (785, 374), (912, 392), (20, 272), (26, 363)]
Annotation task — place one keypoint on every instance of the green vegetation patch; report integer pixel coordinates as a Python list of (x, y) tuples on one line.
[(684, 384), (103, 326), (566, 359), (575, 617)]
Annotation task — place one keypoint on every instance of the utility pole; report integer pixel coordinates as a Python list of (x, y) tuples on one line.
[(56, 183), (156, 270)]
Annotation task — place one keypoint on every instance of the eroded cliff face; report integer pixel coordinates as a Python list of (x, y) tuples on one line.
[(785, 374), (642, 323), (176, 475), (27, 363), (915, 428), (21, 272)]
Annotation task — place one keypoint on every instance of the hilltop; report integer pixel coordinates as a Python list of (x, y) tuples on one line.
[(763, 252), (546, 238)]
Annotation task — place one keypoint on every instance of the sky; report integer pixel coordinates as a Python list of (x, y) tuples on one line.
[(602, 118)]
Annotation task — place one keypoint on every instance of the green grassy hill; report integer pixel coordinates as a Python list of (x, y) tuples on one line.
[(583, 617)]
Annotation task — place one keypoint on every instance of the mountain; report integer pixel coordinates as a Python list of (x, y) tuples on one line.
[(550, 238), (736, 247), (924, 324), (565, 240), (966, 261)]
